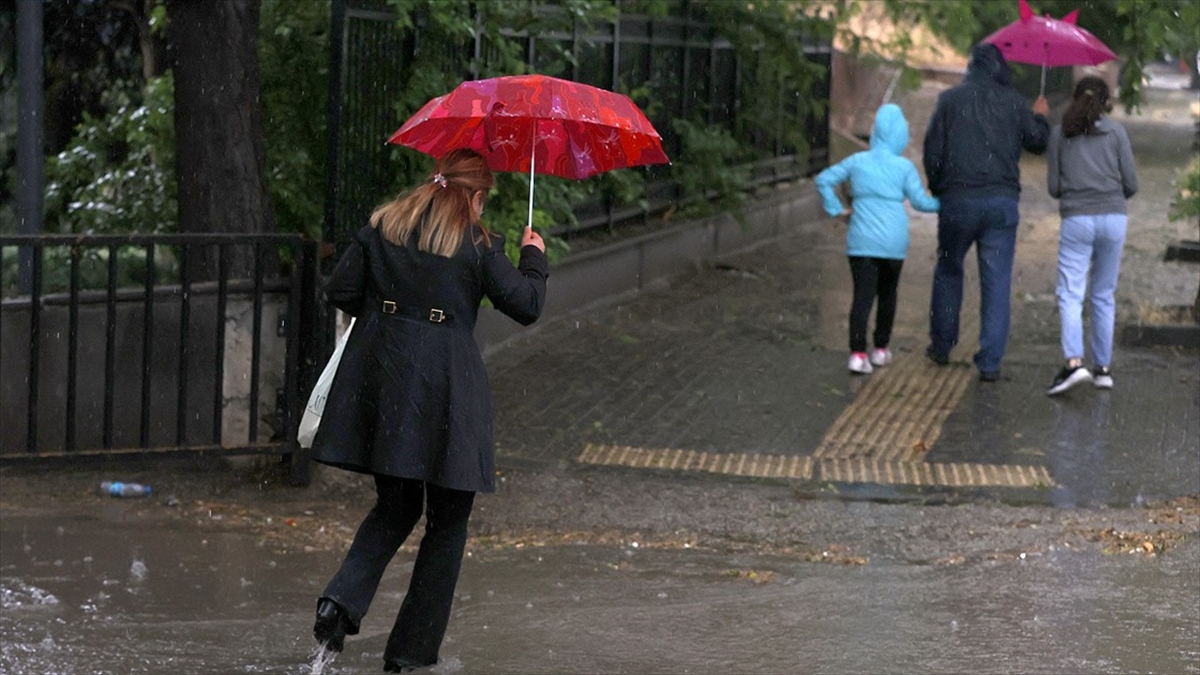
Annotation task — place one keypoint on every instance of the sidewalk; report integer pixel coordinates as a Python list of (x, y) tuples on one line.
[(636, 543), (739, 368)]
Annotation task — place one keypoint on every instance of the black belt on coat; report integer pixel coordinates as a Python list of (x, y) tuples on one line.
[(432, 314)]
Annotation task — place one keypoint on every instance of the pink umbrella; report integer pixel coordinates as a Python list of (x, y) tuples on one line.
[(1049, 42)]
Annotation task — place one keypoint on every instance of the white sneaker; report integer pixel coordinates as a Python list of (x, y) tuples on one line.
[(1102, 377), (881, 357), (859, 363)]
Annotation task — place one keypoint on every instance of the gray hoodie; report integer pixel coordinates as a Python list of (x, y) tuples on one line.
[(1091, 174)]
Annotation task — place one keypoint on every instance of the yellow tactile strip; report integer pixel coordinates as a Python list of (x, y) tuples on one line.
[(899, 413), (843, 470), (732, 464), (955, 474), (883, 437)]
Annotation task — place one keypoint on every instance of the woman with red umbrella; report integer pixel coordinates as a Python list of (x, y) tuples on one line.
[(410, 403)]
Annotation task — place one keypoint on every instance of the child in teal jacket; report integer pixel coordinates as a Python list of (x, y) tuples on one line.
[(880, 180)]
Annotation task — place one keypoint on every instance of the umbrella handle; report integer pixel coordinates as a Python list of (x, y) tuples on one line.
[(532, 159)]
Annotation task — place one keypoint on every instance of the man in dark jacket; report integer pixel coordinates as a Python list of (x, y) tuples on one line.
[(972, 149)]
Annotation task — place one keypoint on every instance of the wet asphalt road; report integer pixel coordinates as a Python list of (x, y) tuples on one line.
[(585, 568)]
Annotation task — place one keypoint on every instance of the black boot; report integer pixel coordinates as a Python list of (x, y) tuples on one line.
[(332, 624)]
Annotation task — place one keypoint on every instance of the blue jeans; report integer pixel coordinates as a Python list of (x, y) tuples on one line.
[(991, 226), (1089, 255)]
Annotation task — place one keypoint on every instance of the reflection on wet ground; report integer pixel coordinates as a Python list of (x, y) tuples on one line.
[(179, 603)]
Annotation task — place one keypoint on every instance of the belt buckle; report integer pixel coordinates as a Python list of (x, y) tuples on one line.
[(389, 307), (436, 315)]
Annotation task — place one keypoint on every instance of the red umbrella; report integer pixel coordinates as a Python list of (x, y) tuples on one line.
[(1049, 42), (537, 124)]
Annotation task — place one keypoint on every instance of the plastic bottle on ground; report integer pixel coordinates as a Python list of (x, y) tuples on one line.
[(119, 489)]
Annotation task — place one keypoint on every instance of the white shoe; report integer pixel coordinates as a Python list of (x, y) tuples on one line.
[(859, 363), (881, 357), (1102, 377)]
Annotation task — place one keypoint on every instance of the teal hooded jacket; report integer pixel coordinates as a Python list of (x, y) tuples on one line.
[(880, 180)]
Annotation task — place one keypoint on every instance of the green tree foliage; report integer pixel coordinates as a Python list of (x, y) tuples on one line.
[(1153, 29), (294, 62), (769, 38), (437, 33), (120, 150), (1186, 202), (1138, 31), (89, 48), (118, 172)]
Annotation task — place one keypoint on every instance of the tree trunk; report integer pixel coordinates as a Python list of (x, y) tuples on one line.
[(220, 141), (151, 44)]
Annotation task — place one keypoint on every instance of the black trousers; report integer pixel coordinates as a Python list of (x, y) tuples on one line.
[(873, 277), (421, 623)]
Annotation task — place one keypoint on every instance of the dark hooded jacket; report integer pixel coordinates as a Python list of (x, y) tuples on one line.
[(977, 131)]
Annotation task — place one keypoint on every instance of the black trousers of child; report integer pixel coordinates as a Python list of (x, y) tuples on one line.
[(873, 277), (425, 612)]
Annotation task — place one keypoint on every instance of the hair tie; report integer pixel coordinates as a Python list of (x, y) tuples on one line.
[(439, 179)]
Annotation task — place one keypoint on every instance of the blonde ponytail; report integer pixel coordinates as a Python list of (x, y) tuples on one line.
[(439, 210)]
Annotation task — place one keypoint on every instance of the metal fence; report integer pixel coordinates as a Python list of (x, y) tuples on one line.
[(681, 60), (127, 345)]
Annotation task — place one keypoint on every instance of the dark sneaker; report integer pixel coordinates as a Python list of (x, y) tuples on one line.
[(1068, 377), (936, 356), (989, 376), (1102, 377)]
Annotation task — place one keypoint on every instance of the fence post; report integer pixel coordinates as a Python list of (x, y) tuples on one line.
[(307, 334)]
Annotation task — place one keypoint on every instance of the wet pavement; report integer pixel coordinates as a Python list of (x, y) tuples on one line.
[(223, 602), (739, 368), (692, 483)]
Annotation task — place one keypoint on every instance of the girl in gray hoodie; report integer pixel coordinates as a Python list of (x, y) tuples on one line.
[(1091, 173)]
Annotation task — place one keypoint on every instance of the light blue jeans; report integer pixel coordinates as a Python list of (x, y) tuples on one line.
[(1089, 260)]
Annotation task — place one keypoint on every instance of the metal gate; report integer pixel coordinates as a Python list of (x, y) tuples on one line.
[(156, 344), (672, 56)]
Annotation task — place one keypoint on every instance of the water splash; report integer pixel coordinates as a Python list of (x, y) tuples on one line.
[(322, 656), (15, 593), (138, 570), (449, 665)]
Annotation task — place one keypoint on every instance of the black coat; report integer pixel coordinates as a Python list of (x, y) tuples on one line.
[(977, 132), (411, 396)]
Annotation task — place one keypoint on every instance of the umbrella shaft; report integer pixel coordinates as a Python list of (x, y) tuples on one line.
[(532, 159)]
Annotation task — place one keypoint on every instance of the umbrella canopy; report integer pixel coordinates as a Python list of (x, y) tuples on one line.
[(536, 123), (1049, 42)]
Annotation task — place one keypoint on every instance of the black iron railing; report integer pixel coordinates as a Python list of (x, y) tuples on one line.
[(153, 344)]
